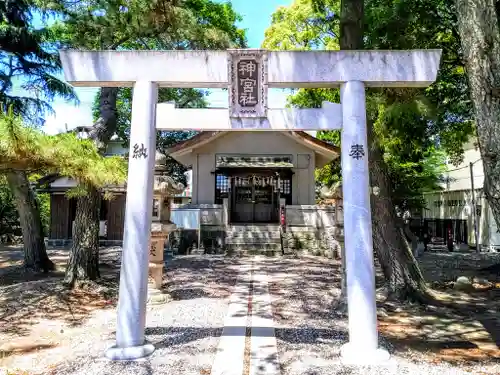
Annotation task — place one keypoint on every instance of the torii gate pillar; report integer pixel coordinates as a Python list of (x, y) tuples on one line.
[(352, 71), (359, 262)]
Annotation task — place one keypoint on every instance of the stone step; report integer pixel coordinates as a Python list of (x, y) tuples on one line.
[(268, 249), (253, 228), (249, 241), (253, 235)]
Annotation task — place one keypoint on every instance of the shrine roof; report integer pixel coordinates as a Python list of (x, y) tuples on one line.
[(207, 137)]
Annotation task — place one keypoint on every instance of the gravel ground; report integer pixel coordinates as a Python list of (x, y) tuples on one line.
[(444, 266), (184, 331), (185, 334), (310, 332)]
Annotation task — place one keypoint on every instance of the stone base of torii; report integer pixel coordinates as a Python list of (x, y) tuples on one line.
[(248, 74)]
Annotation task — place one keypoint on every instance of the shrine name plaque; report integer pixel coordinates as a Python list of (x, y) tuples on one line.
[(247, 83)]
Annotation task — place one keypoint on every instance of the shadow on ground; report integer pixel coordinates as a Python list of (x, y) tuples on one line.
[(28, 300), (306, 293), (305, 299)]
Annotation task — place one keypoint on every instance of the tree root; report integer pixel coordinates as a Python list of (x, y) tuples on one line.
[(44, 266), (84, 285), (431, 297)]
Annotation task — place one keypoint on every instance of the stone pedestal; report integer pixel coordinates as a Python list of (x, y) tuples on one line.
[(164, 188), (159, 234)]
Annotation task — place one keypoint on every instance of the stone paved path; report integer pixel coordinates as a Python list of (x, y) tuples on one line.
[(248, 343)]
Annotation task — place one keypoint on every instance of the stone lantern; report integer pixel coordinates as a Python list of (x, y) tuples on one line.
[(164, 189)]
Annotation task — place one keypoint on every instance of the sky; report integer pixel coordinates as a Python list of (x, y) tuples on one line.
[(256, 19)]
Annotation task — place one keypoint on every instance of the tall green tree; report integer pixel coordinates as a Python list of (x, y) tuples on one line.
[(414, 159), (480, 39), (24, 148), (26, 65), (406, 126), (26, 62), (135, 24)]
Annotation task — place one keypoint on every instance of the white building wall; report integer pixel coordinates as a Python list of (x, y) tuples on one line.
[(455, 202), (205, 178), (116, 148), (63, 182), (459, 176)]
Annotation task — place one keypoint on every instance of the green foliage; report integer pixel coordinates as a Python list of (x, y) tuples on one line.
[(44, 205), (145, 24), (415, 128), (419, 24), (9, 219), (28, 149), (330, 174), (301, 26), (26, 60), (43, 200), (414, 162), (27, 63), (10, 229)]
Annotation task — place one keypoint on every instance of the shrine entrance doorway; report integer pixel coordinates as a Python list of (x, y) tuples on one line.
[(254, 195)]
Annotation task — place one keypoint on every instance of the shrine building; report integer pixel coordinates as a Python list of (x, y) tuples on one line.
[(236, 183)]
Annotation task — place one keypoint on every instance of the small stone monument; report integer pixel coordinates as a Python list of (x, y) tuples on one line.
[(333, 196), (164, 188)]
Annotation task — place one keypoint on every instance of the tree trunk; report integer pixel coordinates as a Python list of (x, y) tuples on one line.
[(351, 24), (412, 238), (105, 126), (480, 38), (400, 268), (394, 253), (83, 264), (35, 253)]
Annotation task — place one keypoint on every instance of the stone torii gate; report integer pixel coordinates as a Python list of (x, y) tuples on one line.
[(248, 74)]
